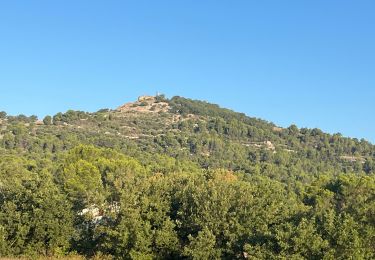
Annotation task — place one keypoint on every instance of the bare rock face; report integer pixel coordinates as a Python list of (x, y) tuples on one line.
[(352, 158), (269, 145), (145, 104), (146, 98)]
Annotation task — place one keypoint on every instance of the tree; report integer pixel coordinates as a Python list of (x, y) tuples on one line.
[(203, 246), (35, 217), (33, 118), (293, 130), (3, 114), (82, 182), (47, 120)]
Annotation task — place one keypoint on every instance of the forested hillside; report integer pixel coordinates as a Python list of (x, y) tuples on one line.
[(182, 179)]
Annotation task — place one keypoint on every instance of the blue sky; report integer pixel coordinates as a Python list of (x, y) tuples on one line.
[(311, 63)]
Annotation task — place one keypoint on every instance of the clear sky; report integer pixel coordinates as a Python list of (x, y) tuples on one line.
[(311, 63)]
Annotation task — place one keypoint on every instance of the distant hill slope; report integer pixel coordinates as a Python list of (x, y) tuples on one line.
[(192, 130)]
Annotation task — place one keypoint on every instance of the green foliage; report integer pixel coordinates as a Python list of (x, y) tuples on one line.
[(35, 216), (195, 182), (82, 182), (47, 120), (202, 246), (3, 114)]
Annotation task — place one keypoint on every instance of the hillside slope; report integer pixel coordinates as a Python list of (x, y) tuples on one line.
[(182, 179), (192, 130)]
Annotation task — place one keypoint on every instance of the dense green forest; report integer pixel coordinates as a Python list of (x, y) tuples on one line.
[(182, 179)]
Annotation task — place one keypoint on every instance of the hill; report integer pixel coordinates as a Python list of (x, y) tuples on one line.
[(180, 178)]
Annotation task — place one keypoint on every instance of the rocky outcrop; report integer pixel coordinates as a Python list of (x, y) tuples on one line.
[(145, 104)]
